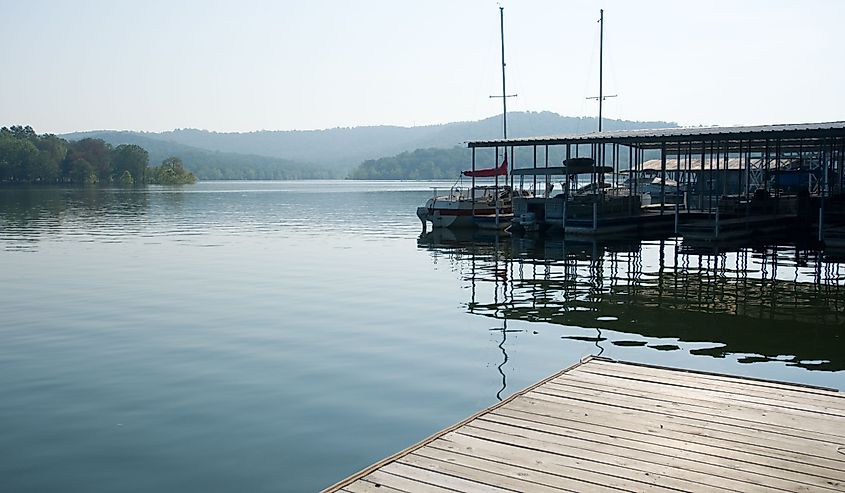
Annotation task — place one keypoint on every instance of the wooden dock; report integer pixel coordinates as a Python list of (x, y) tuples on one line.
[(603, 425)]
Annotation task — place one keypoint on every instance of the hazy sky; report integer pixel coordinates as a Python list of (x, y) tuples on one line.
[(282, 65)]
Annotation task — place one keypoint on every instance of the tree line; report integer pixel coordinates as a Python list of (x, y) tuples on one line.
[(207, 164), (29, 158), (420, 164)]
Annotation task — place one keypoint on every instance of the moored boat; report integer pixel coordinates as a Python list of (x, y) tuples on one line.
[(482, 206), (486, 207)]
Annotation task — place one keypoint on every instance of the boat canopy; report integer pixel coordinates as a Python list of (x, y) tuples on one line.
[(482, 173), (554, 170), (573, 166), (584, 165)]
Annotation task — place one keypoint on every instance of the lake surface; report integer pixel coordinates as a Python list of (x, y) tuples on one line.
[(279, 336)]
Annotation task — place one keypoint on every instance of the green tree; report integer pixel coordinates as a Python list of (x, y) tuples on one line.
[(97, 153), (52, 151), (19, 159), (171, 172), (82, 172), (130, 158), (23, 133)]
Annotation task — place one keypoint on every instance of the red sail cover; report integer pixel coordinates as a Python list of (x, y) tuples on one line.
[(480, 173)]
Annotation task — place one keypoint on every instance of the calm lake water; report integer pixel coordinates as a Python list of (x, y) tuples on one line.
[(279, 336)]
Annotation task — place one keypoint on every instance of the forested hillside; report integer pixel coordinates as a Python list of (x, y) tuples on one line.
[(421, 164), (213, 165)]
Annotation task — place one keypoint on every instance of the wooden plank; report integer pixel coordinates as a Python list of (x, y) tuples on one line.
[(800, 419), (647, 422), (831, 430), (623, 407), (629, 473), (599, 475), (383, 478), (476, 475), (831, 399), (716, 381), (610, 402), (778, 400), (746, 383), (643, 454), (362, 486), (559, 471), (538, 480), (784, 467), (447, 481), (790, 423)]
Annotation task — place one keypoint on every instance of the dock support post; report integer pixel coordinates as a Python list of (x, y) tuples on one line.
[(496, 189), (701, 181), (825, 158), (716, 225), (595, 216), (563, 215), (662, 177), (566, 188), (677, 216), (472, 187), (777, 176), (821, 222)]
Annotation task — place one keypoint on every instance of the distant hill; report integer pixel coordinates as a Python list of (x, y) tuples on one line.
[(213, 165), (345, 148), (340, 152)]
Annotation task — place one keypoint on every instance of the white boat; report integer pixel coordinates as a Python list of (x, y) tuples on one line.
[(470, 207)]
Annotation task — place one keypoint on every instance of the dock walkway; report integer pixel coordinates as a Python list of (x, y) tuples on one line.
[(603, 425)]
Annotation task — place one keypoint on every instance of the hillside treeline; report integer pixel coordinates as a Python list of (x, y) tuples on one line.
[(26, 157), (420, 164), (208, 164), (229, 166)]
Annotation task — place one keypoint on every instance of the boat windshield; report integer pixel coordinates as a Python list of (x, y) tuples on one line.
[(488, 192)]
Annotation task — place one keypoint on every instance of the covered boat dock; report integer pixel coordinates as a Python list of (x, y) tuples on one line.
[(706, 183)]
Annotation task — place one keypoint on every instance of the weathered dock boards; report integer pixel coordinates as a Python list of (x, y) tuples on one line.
[(609, 426)]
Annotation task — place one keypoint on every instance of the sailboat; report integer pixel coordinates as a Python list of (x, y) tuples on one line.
[(470, 207), (487, 206)]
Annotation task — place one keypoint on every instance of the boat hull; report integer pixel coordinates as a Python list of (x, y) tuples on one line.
[(457, 215)]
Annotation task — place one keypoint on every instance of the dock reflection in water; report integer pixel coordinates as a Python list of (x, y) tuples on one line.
[(766, 303)]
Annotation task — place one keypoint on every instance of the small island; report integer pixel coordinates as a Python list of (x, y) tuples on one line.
[(29, 158)]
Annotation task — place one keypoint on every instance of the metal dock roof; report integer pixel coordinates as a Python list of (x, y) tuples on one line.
[(655, 138)]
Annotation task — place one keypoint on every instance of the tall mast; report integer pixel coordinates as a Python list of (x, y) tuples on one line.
[(504, 95), (601, 58), (601, 97), (504, 91)]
